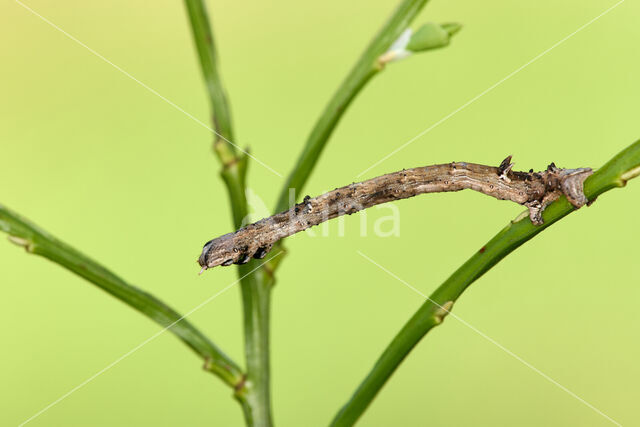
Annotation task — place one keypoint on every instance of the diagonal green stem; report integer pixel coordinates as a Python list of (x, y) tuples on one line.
[(366, 67), (254, 392), (620, 169), (39, 242)]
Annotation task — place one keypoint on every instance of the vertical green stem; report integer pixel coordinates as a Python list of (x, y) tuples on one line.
[(254, 391), (233, 163), (256, 299), (205, 45)]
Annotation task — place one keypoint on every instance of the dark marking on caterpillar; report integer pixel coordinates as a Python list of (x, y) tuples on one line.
[(261, 252), (244, 258)]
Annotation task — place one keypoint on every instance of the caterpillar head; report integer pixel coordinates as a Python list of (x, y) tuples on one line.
[(219, 251), (225, 250)]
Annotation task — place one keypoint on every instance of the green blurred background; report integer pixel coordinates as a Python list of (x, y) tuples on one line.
[(105, 165)]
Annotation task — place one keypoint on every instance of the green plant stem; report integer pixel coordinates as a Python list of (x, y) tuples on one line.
[(615, 173), (366, 67), (256, 300), (234, 164), (254, 392), (39, 242), (205, 45)]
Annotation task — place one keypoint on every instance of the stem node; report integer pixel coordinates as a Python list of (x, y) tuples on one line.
[(443, 311)]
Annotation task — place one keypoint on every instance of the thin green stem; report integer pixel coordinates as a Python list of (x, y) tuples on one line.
[(234, 164), (205, 45), (364, 69), (39, 242), (254, 392), (615, 173), (256, 300)]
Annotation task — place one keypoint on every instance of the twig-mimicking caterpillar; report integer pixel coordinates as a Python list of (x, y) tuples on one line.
[(535, 190)]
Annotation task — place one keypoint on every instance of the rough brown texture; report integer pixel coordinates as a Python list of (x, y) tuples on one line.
[(535, 190)]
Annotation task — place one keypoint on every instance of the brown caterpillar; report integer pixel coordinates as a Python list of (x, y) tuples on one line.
[(535, 190)]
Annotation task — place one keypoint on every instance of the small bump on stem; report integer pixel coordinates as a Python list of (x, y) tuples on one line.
[(442, 312)]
